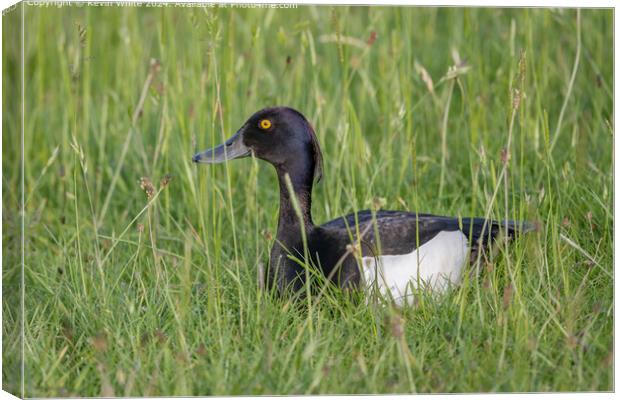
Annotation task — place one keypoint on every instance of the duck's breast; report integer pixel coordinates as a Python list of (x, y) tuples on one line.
[(436, 264)]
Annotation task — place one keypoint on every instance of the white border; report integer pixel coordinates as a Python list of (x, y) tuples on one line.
[(4, 4)]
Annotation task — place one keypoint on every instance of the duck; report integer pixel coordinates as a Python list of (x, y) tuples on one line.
[(390, 252)]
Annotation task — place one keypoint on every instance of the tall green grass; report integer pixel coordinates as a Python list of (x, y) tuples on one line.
[(461, 112)]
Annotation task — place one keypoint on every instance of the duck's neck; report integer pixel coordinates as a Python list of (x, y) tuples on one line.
[(301, 177)]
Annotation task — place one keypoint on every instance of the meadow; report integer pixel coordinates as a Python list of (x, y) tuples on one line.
[(141, 269)]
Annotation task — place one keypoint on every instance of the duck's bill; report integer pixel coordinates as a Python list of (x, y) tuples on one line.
[(233, 148)]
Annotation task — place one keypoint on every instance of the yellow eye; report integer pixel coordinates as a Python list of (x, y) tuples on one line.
[(264, 124)]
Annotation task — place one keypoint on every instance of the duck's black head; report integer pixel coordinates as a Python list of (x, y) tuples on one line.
[(279, 135)]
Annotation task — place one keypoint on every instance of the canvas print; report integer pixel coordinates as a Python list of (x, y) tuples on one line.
[(212, 199)]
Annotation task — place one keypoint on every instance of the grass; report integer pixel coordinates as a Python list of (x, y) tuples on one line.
[(129, 294)]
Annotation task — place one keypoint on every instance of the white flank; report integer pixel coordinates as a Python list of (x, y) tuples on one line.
[(436, 264)]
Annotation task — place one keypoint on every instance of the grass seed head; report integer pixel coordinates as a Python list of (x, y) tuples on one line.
[(147, 186), (505, 156), (165, 180), (516, 99), (522, 67), (372, 38), (155, 66), (267, 234)]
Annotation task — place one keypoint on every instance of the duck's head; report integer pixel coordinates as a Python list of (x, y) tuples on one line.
[(280, 135)]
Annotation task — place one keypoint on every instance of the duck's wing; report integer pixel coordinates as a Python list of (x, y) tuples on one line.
[(401, 232)]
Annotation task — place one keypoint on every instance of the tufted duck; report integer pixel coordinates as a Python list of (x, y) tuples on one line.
[(393, 251)]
